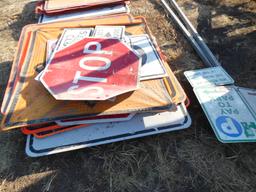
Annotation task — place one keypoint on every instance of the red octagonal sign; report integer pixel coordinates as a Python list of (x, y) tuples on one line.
[(92, 69)]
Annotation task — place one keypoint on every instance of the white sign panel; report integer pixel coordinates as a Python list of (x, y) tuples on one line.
[(152, 66), (85, 14), (229, 116), (109, 31), (139, 126), (72, 36), (68, 37), (208, 77)]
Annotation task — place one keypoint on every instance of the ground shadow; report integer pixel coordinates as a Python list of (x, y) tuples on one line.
[(236, 52), (26, 17)]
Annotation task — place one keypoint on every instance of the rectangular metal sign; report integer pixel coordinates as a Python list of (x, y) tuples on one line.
[(85, 14), (110, 31), (72, 36), (56, 6), (152, 66), (212, 76), (231, 119), (141, 125)]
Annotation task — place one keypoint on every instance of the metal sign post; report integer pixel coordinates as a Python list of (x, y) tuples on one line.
[(196, 35), (188, 35)]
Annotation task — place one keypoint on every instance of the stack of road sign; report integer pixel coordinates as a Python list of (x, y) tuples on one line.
[(87, 82), (56, 10)]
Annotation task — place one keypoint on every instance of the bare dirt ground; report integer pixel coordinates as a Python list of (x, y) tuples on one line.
[(190, 160)]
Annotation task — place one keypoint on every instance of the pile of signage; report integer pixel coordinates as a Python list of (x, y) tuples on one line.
[(86, 76)]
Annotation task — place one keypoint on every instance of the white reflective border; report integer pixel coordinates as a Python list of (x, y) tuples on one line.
[(82, 122), (230, 117), (212, 76), (140, 126), (109, 31), (85, 14)]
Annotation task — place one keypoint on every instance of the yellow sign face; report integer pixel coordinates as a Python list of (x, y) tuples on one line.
[(27, 102)]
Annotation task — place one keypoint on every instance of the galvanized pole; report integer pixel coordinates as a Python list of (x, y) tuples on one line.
[(188, 35), (196, 35)]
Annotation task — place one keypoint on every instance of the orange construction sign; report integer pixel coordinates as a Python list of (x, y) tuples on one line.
[(38, 106)]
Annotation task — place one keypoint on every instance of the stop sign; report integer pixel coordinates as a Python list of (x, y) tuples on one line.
[(92, 69)]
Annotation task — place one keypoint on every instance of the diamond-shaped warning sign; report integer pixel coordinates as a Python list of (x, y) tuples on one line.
[(92, 69)]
